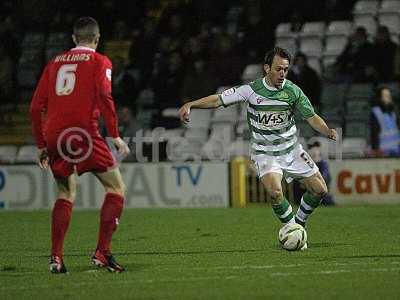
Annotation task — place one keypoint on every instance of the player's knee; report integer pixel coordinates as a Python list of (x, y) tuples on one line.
[(118, 188), (320, 191), (67, 195), (276, 196)]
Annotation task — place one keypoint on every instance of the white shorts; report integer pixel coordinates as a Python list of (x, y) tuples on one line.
[(296, 164)]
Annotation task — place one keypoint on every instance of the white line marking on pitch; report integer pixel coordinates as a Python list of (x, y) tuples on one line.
[(205, 278)]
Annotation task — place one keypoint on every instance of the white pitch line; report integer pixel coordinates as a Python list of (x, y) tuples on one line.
[(261, 267), (204, 278), (329, 272)]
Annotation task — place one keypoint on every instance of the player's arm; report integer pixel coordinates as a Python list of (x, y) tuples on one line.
[(106, 104), (212, 101), (319, 125), (37, 108), (226, 98)]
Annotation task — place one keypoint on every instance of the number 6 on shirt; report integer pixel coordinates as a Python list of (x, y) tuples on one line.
[(65, 82)]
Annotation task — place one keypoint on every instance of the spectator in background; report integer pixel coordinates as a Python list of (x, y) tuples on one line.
[(7, 87), (254, 40), (167, 84), (355, 63), (384, 125), (144, 47), (306, 78), (226, 62), (198, 72), (127, 124), (384, 51), (396, 67), (125, 83), (314, 150), (195, 50), (296, 22), (7, 84)]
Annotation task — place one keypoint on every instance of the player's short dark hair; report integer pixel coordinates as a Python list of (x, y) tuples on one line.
[(269, 56), (315, 144), (86, 29)]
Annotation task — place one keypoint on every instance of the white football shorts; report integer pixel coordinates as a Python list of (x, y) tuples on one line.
[(296, 164)]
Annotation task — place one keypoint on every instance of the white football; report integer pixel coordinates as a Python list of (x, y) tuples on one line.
[(292, 237)]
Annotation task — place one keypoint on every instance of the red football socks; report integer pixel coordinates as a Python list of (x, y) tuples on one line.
[(60, 221), (109, 216)]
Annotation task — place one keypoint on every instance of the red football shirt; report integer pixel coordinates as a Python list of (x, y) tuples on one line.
[(75, 88)]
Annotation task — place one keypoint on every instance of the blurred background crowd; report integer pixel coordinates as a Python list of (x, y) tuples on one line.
[(167, 52)]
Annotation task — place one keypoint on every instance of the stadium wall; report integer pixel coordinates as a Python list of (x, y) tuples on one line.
[(207, 184), (148, 185)]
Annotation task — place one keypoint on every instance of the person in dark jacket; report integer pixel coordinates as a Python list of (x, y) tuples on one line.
[(306, 78)]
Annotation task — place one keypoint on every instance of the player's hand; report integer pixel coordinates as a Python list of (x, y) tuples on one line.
[(43, 158), (332, 134), (184, 113), (121, 146)]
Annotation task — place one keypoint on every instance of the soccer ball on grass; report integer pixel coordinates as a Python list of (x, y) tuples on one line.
[(292, 237)]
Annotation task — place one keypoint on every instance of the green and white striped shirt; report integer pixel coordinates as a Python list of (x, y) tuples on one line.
[(270, 114)]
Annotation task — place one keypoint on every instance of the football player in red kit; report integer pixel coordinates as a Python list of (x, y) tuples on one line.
[(74, 90)]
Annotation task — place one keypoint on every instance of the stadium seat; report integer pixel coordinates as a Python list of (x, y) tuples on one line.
[(395, 38), (222, 131), (391, 21), (357, 110), (27, 77), (328, 61), (388, 6), (366, 21), (339, 28), (304, 129), (366, 7), (333, 96), (30, 58), (34, 40), (360, 91), (334, 45), (283, 30), (252, 72), (145, 98), (311, 47), (117, 48), (8, 153), (171, 112), (27, 154), (225, 114), (313, 29), (289, 44), (354, 147), (354, 128), (315, 64), (200, 118)]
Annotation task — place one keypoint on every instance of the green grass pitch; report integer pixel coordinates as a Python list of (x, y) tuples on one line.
[(354, 253)]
